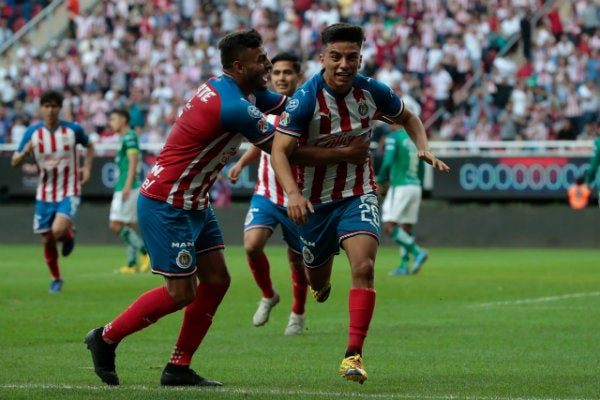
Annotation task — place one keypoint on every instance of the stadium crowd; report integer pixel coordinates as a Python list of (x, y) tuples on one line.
[(452, 61)]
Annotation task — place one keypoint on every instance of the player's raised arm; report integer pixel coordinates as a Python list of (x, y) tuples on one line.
[(415, 129)]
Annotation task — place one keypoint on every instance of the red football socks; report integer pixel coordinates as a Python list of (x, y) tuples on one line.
[(361, 304), (300, 287), (262, 274), (197, 319), (146, 310), (51, 256)]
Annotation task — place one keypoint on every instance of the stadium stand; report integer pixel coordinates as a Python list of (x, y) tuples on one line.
[(462, 63)]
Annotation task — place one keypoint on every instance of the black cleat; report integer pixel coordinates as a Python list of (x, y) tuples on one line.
[(184, 376), (323, 294), (68, 246), (103, 355)]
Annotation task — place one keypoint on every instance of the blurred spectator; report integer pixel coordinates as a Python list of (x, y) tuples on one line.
[(566, 130), (5, 31)]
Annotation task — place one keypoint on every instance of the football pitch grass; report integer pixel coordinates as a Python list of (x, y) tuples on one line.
[(473, 324)]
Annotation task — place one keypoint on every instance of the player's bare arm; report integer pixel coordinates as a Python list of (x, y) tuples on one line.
[(413, 125), (282, 148), (131, 172), (87, 164), (251, 154), (17, 158)]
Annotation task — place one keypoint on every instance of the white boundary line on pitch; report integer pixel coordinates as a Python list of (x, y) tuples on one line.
[(276, 392), (537, 300)]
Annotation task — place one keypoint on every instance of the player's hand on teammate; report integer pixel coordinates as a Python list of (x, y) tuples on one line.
[(298, 207), (432, 160), (358, 150)]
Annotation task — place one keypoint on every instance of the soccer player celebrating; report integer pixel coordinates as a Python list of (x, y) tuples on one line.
[(182, 234), (267, 210), (123, 213), (336, 205), (53, 143)]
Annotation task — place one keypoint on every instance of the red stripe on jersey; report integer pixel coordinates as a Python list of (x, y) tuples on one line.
[(53, 142), (265, 179), (345, 122), (360, 95), (325, 114), (44, 183), (40, 133), (54, 183), (76, 186), (65, 181), (280, 191), (358, 182), (340, 181), (65, 144), (317, 185)]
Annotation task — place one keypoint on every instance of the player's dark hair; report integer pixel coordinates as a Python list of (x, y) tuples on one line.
[(233, 45), (343, 32), (52, 96), (122, 112), (285, 56)]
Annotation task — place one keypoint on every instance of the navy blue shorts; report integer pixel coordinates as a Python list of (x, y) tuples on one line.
[(335, 221), (174, 236), (263, 213)]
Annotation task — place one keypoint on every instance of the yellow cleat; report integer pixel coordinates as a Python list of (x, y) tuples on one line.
[(145, 262), (126, 269), (322, 294), (352, 369)]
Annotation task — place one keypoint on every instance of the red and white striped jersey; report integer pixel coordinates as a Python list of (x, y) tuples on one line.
[(318, 117), (267, 184), (55, 154), (205, 137)]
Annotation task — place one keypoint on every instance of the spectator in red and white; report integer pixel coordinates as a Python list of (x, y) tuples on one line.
[(416, 59), (521, 99), (576, 66), (434, 56), (572, 106), (441, 83), (564, 47)]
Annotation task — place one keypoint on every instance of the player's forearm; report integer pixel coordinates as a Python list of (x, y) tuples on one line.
[(251, 155), (283, 172), (17, 159)]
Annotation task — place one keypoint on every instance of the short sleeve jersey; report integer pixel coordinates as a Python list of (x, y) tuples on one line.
[(317, 116), (128, 144), (55, 154), (203, 139)]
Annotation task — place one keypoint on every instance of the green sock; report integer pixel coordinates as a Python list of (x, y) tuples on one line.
[(131, 238), (405, 240)]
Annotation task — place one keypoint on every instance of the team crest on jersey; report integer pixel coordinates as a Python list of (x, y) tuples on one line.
[(285, 119), (363, 109), (254, 112), (262, 125), (184, 259), (307, 255), (292, 105)]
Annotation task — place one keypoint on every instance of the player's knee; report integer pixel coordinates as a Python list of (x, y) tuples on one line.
[(364, 270), (253, 249), (114, 226)]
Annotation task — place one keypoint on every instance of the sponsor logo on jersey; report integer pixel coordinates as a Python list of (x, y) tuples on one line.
[(286, 118), (292, 105), (262, 125), (254, 112), (184, 259)]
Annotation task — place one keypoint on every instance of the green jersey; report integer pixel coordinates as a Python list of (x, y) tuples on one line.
[(594, 162), (400, 165), (128, 144)]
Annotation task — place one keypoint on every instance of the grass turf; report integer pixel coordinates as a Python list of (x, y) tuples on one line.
[(473, 324)]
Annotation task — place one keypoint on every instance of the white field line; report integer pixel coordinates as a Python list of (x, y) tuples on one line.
[(537, 300), (311, 394)]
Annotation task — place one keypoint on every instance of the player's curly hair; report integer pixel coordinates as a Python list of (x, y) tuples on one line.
[(52, 96), (233, 44), (343, 32)]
